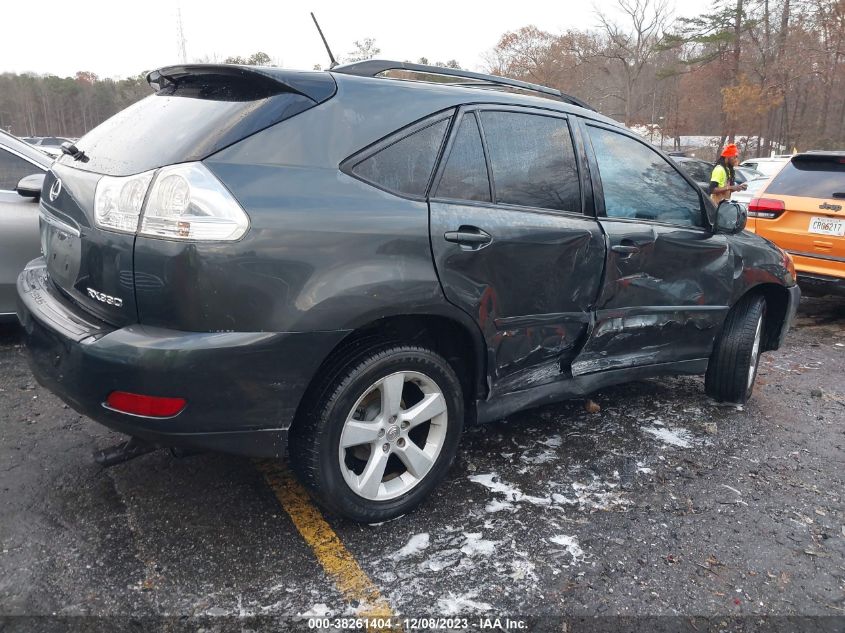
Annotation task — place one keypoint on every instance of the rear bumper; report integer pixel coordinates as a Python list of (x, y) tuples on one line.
[(242, 388), (822, 284)]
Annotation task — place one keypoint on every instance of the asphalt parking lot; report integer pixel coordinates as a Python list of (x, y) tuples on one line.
[(662, 503)]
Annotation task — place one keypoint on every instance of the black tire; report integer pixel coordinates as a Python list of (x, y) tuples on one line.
[(727, 378), (316, 435)]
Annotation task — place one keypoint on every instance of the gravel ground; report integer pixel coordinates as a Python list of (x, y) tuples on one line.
[(661, 503)]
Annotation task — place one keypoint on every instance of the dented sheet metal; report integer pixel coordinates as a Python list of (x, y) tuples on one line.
[(662, 303), (530, 289)]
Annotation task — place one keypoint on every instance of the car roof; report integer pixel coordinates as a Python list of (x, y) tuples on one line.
[(823, 152), (25, 149), (452, 95)]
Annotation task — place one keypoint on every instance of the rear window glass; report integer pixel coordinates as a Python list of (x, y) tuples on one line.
[(405, 166), (164, 129), (810, 178), (465, 174)]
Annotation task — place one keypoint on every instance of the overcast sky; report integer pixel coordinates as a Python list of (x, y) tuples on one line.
[(118, 39)]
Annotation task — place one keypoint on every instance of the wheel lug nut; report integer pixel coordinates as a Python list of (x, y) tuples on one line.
[(405, 424), (385, 448), (381, 432), (393, 418), (401, 442)]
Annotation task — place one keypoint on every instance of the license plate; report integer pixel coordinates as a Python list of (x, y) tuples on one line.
[(827, 226)]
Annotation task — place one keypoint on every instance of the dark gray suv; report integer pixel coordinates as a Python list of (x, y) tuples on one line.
[(350, 268)]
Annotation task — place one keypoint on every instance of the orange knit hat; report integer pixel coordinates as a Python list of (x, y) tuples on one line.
[(730, 150)]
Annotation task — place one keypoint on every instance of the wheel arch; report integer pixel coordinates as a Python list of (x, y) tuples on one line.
[(777, 306), (453, 336)]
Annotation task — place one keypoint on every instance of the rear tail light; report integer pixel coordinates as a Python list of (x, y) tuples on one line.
[(188, 203), (118, 201), (185, 202), (766, 208), (148, 406)]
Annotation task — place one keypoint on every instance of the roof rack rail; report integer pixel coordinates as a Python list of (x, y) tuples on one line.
[(374, 67)]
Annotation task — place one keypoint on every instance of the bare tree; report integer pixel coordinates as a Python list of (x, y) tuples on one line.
[(364, 49), (636, 43)]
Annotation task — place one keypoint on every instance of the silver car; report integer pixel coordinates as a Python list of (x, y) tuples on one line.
[(19, 241)]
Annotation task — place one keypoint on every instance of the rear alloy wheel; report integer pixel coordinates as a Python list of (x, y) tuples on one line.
[(736, 354), (380, 434)]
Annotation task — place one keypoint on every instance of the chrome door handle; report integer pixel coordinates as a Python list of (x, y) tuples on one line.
[(468, 236)]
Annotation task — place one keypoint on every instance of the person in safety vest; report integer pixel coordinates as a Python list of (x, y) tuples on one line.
[(722, 181)]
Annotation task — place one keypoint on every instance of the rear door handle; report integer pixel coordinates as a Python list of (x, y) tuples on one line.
[(470, 237), (626, 249)]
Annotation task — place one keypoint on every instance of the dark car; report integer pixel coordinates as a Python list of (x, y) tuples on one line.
[(701, 170), (19, 241), (348, 268)]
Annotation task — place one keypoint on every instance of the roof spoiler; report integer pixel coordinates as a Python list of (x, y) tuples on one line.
[(374, 67), (317, 86)]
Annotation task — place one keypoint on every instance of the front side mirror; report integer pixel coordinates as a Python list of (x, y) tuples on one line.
[(30, 186), (731, 217)]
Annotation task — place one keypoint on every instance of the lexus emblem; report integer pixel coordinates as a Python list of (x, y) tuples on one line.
[(55, 190)]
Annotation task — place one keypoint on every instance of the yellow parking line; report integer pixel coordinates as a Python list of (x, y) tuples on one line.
[(335, 559)]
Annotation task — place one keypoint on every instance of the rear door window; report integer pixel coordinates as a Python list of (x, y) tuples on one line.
[(810, 177), (639, 184), (465, 174), (403, 163), (532, 160)]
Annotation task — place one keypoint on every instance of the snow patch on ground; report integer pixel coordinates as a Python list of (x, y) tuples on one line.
[(457, 605), (681, 438), (594, 496), (541, 458), (441, 560), (512, 493), (497, 506), (319, 610), (552, 442), (474, 545), (570, 544), (416, 544)]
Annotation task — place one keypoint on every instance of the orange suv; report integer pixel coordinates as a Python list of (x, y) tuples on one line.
[(802, 210)]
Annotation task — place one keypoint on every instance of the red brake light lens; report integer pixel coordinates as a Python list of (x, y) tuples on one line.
[(149, 406), (766, 208)]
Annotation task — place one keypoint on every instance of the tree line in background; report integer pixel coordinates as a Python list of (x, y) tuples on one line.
[(767, 73)]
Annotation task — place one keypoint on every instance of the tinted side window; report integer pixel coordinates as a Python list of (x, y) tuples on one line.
[(700, 171), (639, 183), (819, 177), (405, 166), (13, 168), (465, 174), (533, 160)]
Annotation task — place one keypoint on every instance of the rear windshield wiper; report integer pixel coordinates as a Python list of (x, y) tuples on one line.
[(73, 151)]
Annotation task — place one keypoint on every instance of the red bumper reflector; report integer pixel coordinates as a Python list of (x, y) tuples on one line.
[(149, 406)]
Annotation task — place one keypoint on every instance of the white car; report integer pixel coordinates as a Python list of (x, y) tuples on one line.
[(755, 188), (768, 166)]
